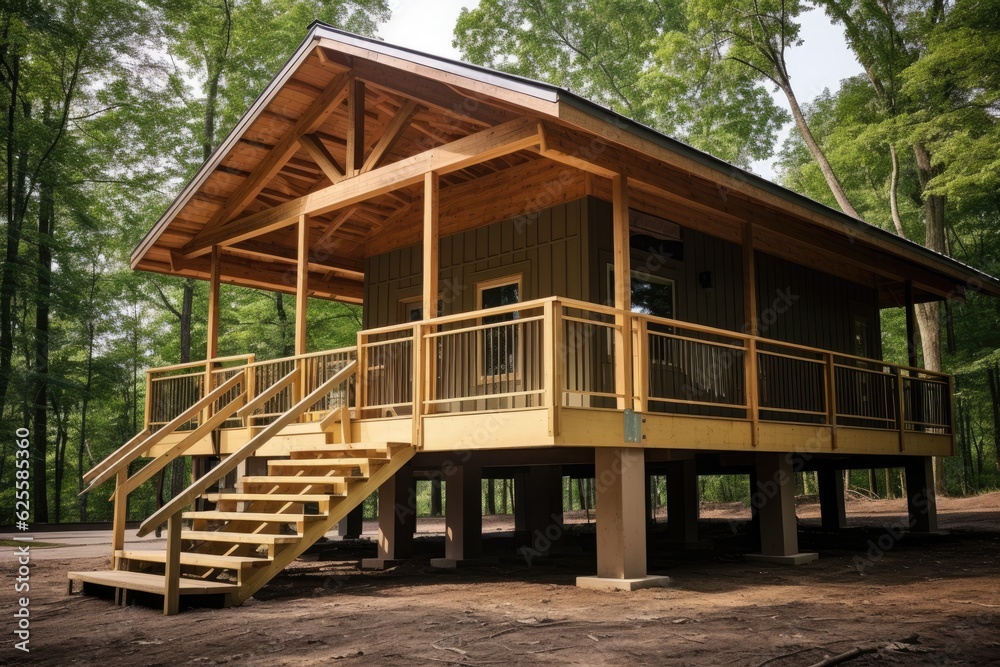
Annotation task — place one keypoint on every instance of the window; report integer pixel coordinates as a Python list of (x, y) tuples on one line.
[(499, 344), (412, 309), (651, 295)]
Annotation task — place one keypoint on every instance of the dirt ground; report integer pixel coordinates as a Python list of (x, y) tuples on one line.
[(909, 600)]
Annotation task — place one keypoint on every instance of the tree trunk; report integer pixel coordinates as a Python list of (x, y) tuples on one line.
[(491, 497), (40, 396), (993, 379), (17, 174), (817, 152), (928, 314)]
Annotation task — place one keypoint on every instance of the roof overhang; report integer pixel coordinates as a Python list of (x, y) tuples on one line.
[(444, 102)]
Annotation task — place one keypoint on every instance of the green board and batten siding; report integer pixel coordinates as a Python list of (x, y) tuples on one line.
[(565, 251)]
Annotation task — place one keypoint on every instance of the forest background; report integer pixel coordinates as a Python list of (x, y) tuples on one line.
[(107, 107)]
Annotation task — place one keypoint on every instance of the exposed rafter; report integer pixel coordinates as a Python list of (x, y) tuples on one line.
[(355, 126), (311, 118), (480, 147), (391, 135), (322, 157)]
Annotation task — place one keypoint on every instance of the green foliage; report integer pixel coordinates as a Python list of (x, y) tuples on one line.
[(640, 58), (106, 103)]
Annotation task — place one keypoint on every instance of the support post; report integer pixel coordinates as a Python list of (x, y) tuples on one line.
[(172, 568), (352, 525), (397, 520), (424, 371), (921, 501), (911, 325), (623, 292), (120, 515), (831, 499), (774, 498), (619, 474), (750, 327), (463, 516), (302, 305), (552, 362), (682, 502), (212, 335)]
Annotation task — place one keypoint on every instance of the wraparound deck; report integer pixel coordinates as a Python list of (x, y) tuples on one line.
[(560, 372)]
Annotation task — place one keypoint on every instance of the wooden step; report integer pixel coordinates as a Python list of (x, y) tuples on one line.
[(198, 560), (152, 583), (304, 480), (273, 497), (258, 517), (238, 538), (364, 465), (334, 452)]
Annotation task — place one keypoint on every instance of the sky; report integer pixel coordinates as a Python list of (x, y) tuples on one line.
[(821, 62)]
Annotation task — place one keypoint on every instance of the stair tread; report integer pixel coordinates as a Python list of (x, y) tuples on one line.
[(317, 462), (216, 515), (275, 497), (301, 479), (189, 558), (151, 583), (346, 446), (238, 538)]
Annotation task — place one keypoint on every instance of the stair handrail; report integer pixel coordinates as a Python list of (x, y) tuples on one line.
[(199, 486), (218, 418), (140, 446)]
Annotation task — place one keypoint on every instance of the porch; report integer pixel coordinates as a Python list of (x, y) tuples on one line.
[(561, 372)]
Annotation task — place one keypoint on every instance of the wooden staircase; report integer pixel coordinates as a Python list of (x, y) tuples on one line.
[(235, 549), (254, 533)]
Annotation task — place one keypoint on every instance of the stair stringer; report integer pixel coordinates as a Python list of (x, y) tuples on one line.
[(313, 531)]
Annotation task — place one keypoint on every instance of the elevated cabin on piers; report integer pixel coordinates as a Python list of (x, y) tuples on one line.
[(545, 283)]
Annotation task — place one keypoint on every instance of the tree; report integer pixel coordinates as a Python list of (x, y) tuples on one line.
[(639, 58), (758, 34)]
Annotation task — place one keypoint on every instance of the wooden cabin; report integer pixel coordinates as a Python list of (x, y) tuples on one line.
[(544, 284)]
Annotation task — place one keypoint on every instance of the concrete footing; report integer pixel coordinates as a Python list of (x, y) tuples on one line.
[(459, 563), (379, 563), (793, 559), (613, 584)]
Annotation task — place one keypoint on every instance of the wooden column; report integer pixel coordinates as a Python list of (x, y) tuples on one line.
[(120, 513), (682, 502), (302, 285), (302, 305), (430, 245), (355, 127), (212, 347), (463, 516), (620, 491), (172, 568), (397, 520), (623, 292), (212, 335), (831, 499), (750, 327), (921, 502), (911, 325), (423, 358), (774, 498), (352, 525)]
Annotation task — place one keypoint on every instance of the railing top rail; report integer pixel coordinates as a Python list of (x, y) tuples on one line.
[(310, 355), (193, 364)]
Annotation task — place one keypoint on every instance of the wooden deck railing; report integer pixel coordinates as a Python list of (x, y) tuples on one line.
[(561, 353)]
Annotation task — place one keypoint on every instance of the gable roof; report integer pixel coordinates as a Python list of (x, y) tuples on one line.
[(451, 100)]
